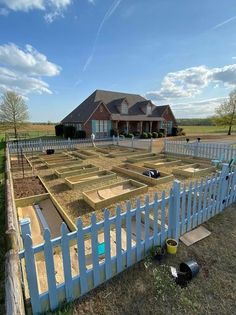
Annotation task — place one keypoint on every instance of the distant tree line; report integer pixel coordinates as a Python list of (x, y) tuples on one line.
[(196, 121)]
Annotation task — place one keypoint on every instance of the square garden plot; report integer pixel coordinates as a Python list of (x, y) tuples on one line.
[(192, 170), (136, 172), (75, 170), (110, 194), (84, 179)]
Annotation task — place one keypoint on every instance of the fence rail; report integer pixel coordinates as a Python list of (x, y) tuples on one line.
[(203, 150), (125, 239)]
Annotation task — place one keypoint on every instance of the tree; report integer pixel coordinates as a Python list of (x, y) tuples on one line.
[(226, 112), (13, 110)]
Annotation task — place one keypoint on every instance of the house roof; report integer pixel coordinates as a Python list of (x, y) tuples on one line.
[(112, 100)]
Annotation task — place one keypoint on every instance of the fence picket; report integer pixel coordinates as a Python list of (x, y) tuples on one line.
[(118, 240), (50, 269), (189, 207), (199, 220), (32, 275), (107, 240), (183, 212), (138, 230), (147, 224), (65, 248), (163, 217), (81, 257), (128, 234), (155, 220), (94, 240)]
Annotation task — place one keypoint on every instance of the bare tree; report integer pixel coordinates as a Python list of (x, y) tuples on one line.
[(13, 110), (226, 112)]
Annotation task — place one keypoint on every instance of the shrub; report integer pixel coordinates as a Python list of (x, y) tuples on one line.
[(80, 134), (155, 135), (129, 135), (144, 135), (149, 135), (136, 134), (177, 131), (160, 134), (113, 132), (162, 130), (59, 130), (69, 131)]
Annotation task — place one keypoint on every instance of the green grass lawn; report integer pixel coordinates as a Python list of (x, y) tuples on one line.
[(206, 129), (2, 225)]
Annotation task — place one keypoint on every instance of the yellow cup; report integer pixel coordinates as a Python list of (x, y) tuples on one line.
[(172, 245)]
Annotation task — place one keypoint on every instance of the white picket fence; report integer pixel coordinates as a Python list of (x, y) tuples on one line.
[(127, 238), (224, 152), (43, 145)]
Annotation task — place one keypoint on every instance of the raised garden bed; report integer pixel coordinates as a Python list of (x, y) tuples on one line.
[(123, 153), (136, 172), (162, 162), (84, 179), (43, 213), (75, 170), (192, 170), (84, 154), (143, 157), (28, 186), (107, 195), (55, 164)]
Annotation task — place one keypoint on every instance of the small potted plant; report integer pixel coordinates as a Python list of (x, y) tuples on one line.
[(157, 252)]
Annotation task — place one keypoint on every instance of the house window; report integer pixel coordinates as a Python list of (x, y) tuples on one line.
[(101, 128), (78, 126), (97, 126), (124, 108)]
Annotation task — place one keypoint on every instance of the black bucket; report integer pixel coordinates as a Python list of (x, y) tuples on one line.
[(190, 268)]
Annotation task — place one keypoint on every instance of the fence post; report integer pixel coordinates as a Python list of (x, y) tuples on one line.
[(118, 140), (195, 151), (224, 181), (150, 146), (132, 142), (174, 211), (25, 227), (113, 139), (40, 144)]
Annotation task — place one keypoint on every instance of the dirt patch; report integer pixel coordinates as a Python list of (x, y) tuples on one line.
[(28, 186)]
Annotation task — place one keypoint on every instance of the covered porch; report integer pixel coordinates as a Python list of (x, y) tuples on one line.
[(137, 126)]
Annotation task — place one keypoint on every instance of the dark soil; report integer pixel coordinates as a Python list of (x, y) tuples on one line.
[(28, 186), (18, 164)]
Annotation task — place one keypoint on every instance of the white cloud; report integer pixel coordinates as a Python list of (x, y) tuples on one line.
[(23, 5), (200, 109), (190, 82), (28, 60), (21, 70), (53, 8)]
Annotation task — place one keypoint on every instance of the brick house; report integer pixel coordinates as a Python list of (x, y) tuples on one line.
[(103, 111)]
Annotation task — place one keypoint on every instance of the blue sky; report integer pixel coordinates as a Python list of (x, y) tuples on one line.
[(57, 52)]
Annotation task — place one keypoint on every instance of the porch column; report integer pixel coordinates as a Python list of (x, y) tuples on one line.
[(127, 126), (150, 126), (141, 127)]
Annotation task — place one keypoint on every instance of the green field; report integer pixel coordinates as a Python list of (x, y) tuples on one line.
[(206, 129)]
